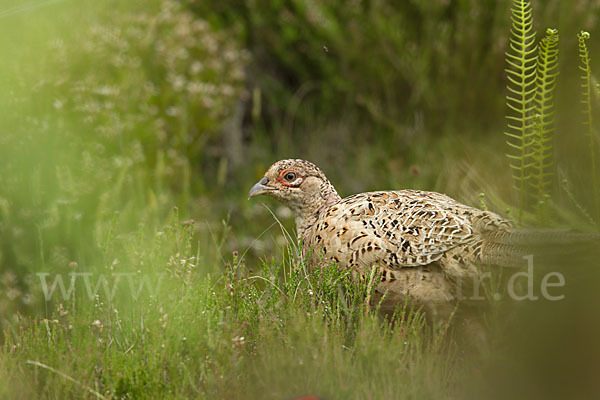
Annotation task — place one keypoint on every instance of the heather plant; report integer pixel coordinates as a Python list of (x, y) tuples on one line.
[(107, 134), (162, 113)]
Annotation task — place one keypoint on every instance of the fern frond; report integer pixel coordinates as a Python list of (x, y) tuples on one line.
[(546, 73), (521, 74), (586, 101)]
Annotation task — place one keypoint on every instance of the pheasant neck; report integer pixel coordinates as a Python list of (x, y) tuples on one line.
[(308, 213), (304, 223)]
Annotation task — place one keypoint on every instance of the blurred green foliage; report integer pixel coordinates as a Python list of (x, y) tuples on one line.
[(109, 109), (396, 64), (115, 112)]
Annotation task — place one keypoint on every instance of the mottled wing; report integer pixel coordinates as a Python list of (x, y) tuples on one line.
[(395, 229)]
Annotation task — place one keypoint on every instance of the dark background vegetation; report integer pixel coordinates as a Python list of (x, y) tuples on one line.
[(115, 113)]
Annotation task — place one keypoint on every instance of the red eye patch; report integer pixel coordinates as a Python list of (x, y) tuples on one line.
[(287, 177)]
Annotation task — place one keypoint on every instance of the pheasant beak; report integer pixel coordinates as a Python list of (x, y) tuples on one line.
[(259, 188)]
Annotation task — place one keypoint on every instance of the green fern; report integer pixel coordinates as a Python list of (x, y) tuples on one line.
[(586, 100), (541, 172), (521, 75), (543, 131)]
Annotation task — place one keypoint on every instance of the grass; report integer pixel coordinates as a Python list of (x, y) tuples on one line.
[(278, 333), (101, 181)]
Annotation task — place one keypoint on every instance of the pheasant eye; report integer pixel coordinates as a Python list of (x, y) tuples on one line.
[(290, 176)]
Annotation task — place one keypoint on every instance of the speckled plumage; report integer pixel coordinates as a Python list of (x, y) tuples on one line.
[(425, 244)]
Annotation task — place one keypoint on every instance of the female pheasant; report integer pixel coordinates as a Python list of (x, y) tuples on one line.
[(426, 245)]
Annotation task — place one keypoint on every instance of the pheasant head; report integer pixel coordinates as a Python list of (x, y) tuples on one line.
[(300, 185)]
